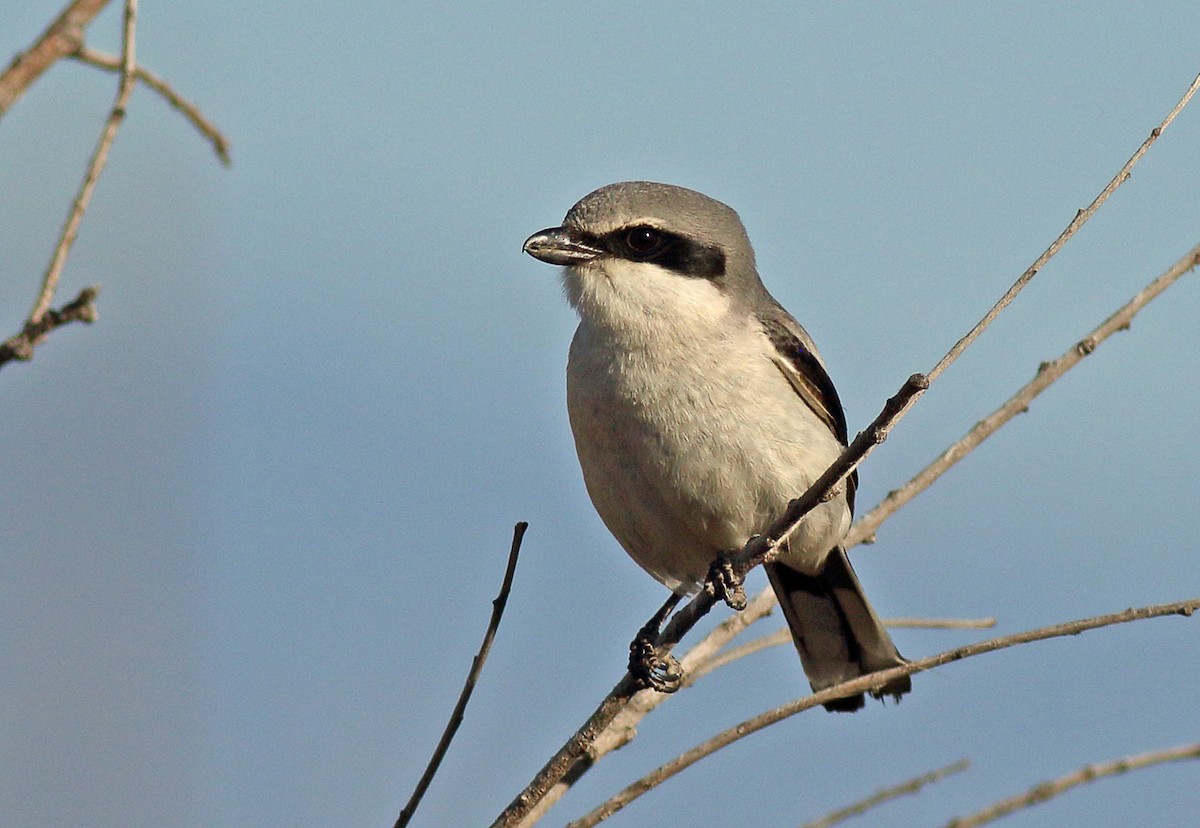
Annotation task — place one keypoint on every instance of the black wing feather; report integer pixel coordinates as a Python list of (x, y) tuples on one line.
[(811, 382)]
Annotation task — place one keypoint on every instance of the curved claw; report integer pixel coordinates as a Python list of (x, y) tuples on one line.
[(658, 672), (725, 584)]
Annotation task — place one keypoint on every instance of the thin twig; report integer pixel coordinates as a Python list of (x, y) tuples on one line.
[(765, 546), (205, 127), (917, 384), (577, 748), (456, 718), (783, 636), (61, 38), (42, 318), (99, 158), (1048, 372), (1088, 773), (777, 638), (871, 682), (1080, 219), (940, 623), (887, 794)]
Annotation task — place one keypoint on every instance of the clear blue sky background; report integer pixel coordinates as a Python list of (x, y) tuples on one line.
[(252, 521)]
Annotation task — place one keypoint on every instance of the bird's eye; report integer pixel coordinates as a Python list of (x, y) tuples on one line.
[(643, 240)]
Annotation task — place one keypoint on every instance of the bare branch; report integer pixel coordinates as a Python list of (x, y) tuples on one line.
[(189, 110), (456, 718), (940, 623), (61, 38), (575, 751), (778, 638), (1048, 372), (872, 681), (783, 636), (887, 794), (99, 158), (917, 384), (37, 325), (1080, 219), (764, 547), (64, 38), (1086, 774)]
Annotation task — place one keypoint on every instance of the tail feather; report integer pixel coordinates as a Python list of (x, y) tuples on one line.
[(837, 633)]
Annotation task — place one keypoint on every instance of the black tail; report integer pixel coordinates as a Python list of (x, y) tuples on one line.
[(838, 635)]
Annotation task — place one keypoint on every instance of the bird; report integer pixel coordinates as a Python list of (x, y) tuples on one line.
[(700, 408)]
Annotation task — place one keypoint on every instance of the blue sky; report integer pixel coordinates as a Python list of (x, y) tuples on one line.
[(254, 518)]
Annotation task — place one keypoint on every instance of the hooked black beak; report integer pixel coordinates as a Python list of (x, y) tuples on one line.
[(561, 246)]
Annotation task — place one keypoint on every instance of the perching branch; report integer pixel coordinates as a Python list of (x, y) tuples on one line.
[(1088, 773), (760, 548), (623, 725), (917, 384), (456, 718), (912, 786), (867, 683), (61, 38), (704, 657)]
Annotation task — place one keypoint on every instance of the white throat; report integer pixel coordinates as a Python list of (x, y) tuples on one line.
[(640, 304)]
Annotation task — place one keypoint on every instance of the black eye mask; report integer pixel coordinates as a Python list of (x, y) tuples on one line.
[(685, 256)]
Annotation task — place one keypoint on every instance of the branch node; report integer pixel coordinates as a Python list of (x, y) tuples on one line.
[(80, 309), (837, 490), (918, 382)]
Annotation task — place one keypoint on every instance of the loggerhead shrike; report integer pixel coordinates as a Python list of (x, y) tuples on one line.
[(700, 408)]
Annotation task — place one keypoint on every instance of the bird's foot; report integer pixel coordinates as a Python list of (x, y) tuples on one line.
[(725, 584), (657, 670)]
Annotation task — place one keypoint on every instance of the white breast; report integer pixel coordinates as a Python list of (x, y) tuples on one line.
[(689, 437)]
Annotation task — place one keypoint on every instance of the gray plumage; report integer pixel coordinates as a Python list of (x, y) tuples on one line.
[(700, 408)]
